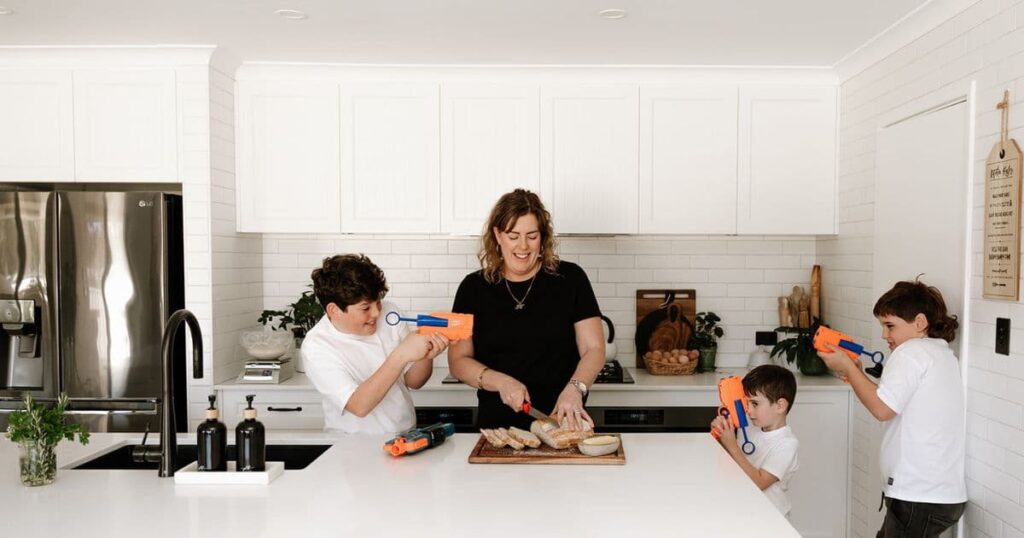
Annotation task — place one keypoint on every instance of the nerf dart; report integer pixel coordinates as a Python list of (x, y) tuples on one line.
[(824, 336), (454, 326), (734, 409), (419, 439)]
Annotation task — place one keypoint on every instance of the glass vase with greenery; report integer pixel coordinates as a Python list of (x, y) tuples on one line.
[(300, 316), (705, 337), (38, 428), (799, 348)]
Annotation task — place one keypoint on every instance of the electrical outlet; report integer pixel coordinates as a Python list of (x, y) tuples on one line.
[(1003, 336)]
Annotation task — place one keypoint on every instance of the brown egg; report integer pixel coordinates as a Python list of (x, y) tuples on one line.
[(657, 354), (694, 355), (683, 359)]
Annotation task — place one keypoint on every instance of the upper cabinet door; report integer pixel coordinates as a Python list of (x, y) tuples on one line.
[(126, 126), (589, 157), (288, 155), (688, 160), (389, 155), (787, 160), (490, 145), (36, 126)]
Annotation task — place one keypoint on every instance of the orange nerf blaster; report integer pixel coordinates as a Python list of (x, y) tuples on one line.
[(419, 439), (734, 409), (825, 336), (453, 326)]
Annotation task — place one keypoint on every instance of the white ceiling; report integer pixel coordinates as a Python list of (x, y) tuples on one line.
[(655, 32)]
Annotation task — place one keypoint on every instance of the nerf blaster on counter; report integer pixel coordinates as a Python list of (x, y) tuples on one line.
[(453, 326), (419, 439), (734, 409), (824, 336)]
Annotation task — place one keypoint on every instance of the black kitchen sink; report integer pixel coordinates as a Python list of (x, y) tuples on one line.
[(293, 456)]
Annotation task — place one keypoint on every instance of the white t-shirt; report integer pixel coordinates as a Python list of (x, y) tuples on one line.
[(337, 363), (922, 453), (776, 453)]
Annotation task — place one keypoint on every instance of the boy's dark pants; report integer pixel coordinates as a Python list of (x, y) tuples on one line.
[(912, 519)]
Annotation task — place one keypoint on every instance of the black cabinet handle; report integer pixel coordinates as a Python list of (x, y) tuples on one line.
[(284, 409)]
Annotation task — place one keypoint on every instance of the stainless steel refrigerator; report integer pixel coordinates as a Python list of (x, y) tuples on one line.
[(87, 280)]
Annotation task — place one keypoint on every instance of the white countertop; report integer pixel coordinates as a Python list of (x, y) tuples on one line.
[(644, 382), (671, 485)]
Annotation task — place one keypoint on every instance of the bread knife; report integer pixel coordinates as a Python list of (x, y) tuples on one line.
[(537, 414)]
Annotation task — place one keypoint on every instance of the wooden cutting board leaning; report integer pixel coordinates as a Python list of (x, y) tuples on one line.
[(664, 320)]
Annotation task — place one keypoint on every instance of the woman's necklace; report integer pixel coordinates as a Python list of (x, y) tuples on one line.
[(521, 303)]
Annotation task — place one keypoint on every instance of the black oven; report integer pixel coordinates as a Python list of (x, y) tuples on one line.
[(652, 419)]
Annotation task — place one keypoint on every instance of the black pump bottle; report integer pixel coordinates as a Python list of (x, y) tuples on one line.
[(212, 441), (251, 441)]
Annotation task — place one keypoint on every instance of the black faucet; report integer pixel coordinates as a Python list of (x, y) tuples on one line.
[(168, 435)]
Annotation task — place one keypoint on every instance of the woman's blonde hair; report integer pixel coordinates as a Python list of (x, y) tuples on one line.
[(504, 216)]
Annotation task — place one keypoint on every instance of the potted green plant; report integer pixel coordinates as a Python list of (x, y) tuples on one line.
[(299, 318), (799, 348), (705, 339), (38, 428)]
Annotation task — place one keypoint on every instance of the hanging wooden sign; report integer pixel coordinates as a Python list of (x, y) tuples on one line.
[(1001, 263)]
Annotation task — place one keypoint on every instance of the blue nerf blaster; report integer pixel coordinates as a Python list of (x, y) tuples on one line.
[(453, 326), (824, 336), (734, 409)]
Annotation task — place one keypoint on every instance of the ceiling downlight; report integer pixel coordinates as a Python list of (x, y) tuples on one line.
[(612, 14), (291, 14), (6, 11)]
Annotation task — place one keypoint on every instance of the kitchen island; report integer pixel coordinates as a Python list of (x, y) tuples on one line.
[(671, 485)]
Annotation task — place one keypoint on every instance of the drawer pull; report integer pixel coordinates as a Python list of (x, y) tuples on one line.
[(284, 409)]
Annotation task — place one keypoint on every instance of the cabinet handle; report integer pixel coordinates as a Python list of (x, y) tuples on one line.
[(284, 409)]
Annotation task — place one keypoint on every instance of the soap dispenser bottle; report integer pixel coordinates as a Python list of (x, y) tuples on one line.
[(212, 441), (250, 441)]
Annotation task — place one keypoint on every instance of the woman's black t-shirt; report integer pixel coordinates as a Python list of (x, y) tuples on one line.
[(536, 345)]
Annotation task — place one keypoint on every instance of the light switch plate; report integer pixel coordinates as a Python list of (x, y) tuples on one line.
[(1003, 336)]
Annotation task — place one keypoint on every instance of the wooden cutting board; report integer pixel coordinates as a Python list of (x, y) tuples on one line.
[(483, 452), (649, 301)]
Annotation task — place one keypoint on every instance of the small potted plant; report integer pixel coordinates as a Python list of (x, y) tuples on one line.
[(705, 338), (799, 348), (300, 317), (38, 428)]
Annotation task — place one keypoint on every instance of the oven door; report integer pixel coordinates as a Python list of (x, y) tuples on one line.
[(652, 419)]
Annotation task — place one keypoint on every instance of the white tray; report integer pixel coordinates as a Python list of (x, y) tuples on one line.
[(190, 475)]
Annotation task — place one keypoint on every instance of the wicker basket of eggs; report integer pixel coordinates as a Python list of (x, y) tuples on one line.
[(672, 362)]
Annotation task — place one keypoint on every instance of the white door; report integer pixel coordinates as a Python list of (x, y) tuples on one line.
[(390, 158), (589, 164), (921, 205), (490, 145), (288, 157), (126, 125), (688, 160), (787, 160), (36, 126)]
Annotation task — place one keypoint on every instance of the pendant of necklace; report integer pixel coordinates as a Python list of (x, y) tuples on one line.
[(521, 303)]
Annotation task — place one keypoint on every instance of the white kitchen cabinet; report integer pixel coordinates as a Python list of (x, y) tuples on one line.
[(277, 407), (390, 178), (490, 145), (288, 157), (36, 126), (126, 125), (589, 162), (787, 160), (688, 141)]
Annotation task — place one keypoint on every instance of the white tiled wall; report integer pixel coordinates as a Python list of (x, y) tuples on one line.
[(739, 278), (984, 43)]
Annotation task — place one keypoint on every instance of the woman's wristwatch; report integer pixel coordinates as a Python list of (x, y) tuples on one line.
[(580, 386)]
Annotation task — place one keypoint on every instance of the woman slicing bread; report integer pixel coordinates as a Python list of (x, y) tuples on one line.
[(537, 328)]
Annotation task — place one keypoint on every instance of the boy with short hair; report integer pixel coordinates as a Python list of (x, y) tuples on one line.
[(364, 368), (920, 398), (770, 391)]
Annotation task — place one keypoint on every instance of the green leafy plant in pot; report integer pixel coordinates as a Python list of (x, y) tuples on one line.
[(799, 348), (299, 318), (38, 428), (706, 333)]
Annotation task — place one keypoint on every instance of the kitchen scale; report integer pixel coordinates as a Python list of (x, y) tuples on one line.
[(267, 371)]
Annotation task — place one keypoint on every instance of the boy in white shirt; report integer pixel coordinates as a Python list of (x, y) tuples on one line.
[(920, 399), (362, 367), (770, 391)]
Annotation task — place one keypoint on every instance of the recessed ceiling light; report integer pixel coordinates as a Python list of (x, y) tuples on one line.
[(6, 11), (291, 14), (612, 13)]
